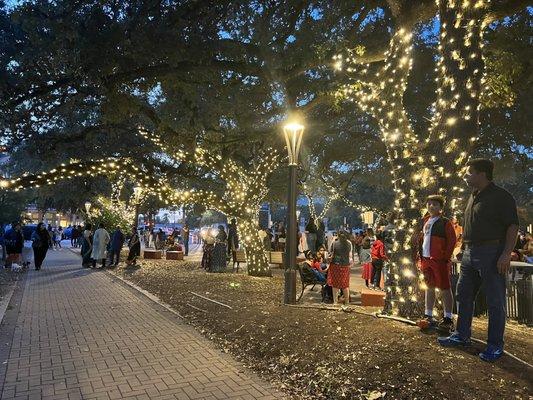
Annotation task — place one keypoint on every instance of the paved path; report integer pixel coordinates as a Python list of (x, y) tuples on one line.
[(73, 333)]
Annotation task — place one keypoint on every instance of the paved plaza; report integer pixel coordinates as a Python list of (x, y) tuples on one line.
[(73, 333)]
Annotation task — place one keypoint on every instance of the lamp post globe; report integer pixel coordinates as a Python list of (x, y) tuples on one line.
[(293, 138), (293, 133), (88, 205)]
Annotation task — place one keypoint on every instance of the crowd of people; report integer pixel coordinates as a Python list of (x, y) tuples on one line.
[(43, 238), (485, 246), (99, 247), (220, 246), (160, 240), (332, 264)]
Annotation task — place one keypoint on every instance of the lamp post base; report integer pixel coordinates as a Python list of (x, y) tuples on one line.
[(290, 287)]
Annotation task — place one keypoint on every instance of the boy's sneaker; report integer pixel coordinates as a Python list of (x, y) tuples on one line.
[(454, 340), (491, 353), (446, 325), (427, 323)]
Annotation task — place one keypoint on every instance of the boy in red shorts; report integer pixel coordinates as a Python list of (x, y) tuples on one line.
[(436, 244)]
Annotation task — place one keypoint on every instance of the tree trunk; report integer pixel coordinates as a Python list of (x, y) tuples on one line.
[(256, 255), (455, 125)]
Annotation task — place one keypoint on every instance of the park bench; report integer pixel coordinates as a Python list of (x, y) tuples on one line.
[(276, 258), (174, 255), (240, 257), (153, 254), (307, 278)]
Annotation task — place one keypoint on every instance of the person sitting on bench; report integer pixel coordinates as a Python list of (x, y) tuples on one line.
[(314, 265)]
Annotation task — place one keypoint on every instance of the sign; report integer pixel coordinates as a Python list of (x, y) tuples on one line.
[(368, 217)]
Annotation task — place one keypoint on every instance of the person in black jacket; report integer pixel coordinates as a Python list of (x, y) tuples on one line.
[(40, 243), (14, 242)]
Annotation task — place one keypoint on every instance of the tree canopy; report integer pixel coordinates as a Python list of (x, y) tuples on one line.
[(395, 95)]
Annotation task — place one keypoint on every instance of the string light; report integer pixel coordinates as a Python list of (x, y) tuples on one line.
[(241, 198), (461, 28)]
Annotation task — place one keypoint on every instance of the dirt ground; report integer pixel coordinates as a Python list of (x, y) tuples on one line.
[(332, 354)]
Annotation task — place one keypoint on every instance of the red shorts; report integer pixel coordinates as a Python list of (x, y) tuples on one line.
[(436, 273)]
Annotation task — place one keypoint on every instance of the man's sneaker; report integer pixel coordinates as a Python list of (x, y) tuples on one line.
[(427, 322), (454, 340), (446, 325), (491, 353)]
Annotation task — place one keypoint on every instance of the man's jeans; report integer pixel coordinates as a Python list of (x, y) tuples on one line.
[(478, 266), (186, 245)]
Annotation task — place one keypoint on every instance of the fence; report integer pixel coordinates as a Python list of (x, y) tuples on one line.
[(519, 296)]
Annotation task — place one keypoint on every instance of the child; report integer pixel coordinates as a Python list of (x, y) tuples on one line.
[(435, 247), (313, 263), (366, 260)]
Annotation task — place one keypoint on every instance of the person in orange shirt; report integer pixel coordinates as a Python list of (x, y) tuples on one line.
[(435, 247)]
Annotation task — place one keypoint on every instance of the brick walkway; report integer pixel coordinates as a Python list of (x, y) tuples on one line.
[(80, 334)]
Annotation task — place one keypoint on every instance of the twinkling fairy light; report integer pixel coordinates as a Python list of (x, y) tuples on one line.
[(245, 190), (241, 198), (331, 197), (460, 68), (436, 162), (380, 93)]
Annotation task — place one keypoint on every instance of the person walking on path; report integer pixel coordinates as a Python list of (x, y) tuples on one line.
[(86, 246), (117, 242), (56, 238), (100, 240), (14, 242), (436, 242), (134, 245), (339, 270), (74, 236), (185, 231), (489, 236), (40, 243)]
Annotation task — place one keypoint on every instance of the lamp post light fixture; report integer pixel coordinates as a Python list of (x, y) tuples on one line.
[(88, 206), (293, 138)]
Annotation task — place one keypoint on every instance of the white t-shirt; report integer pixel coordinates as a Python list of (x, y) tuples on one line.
[(427, 236)]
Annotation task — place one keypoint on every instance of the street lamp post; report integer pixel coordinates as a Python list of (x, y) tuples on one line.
[(137, 190), (293, 136)]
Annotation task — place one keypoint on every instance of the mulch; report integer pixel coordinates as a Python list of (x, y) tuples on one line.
[(323, 354)]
